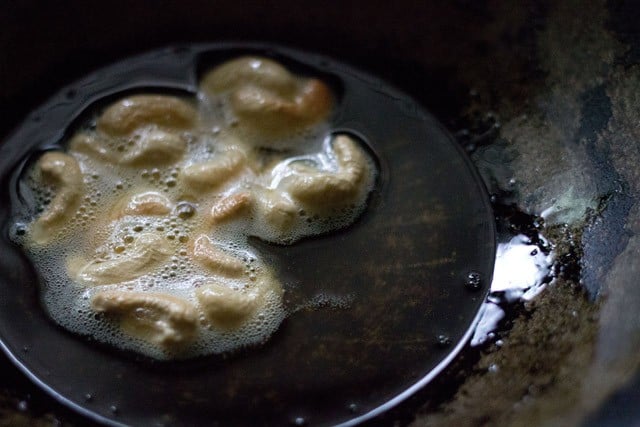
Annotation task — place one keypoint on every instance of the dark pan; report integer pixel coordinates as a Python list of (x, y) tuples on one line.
[(404, 265)]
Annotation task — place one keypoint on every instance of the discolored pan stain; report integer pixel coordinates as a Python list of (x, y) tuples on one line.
[(569, 146)]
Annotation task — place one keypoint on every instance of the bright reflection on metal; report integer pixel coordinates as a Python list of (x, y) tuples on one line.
[(521, 272)]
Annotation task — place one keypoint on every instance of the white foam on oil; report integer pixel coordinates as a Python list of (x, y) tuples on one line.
[(92, 233)]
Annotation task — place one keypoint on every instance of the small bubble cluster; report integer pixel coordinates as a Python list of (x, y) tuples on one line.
[(473, 281)]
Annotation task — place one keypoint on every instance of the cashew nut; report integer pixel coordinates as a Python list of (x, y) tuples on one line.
[(213, 173), (267, 97), (249, 70), (154, 146), (324, 189), (225, 307), (97, 146), (63, 171), (277, 209), (207, 254), (148, 251), (230, 207), (135, 112), (142, 129), (146, 203), (278, 113), (160, 319)]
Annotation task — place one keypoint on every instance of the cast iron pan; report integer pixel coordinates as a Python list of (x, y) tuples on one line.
[(405, 265)]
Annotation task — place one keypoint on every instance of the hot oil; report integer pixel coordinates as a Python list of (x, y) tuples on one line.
[(376, 308), (106, 184)]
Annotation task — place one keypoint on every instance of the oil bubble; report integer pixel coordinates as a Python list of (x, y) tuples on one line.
[(20, 229), (443, 340), (473, 280), (185, 210)]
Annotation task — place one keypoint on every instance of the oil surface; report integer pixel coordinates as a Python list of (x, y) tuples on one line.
[(405, 268)]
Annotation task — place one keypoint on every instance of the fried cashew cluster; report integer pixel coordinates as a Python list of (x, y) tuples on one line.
[(155, 200)]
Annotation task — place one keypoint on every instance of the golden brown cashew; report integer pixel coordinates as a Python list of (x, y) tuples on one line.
[(148, 251), (324, 189), (249, 70), (225, 307), (230, 207), (208, 175), (149, 146), (96, 146), (146, 203), (160, 319), (277, 113), (276, 208), (206, 253), (138, 130), (230, 308), (154, 147), (135, 112), (266, 97), (63, 171)]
